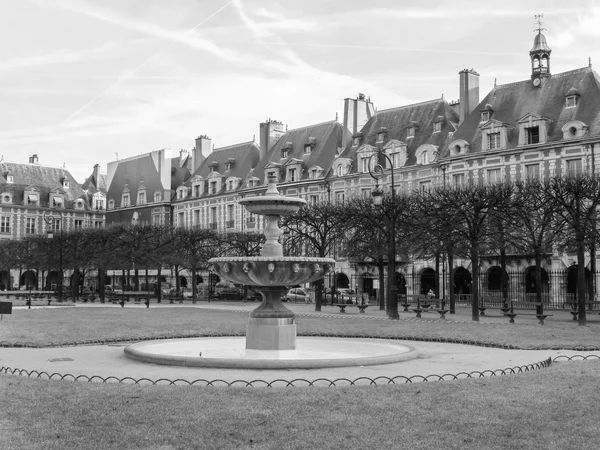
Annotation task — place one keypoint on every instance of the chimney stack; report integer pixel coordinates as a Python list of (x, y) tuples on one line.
[(357, 112), (202, 149), (469, 93), (33, 159), (96, 174), (270, 132)]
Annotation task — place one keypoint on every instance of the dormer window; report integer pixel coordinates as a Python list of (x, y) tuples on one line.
[(79, 204), (157, 196), (493, 141), (181, 193), (227, 166), (571, 96), (125, 200), (410, 132), (10, 178), (285, 152), (381, 135), (357, 139), (65, 184), (141, 197), (437, 127), (340, 170), (533, 129), (231, 185), (111, 204), (57, 201), (213, 187), (487, 112), (574, 129), (292, 174), (307, 149), (6, 198), (533, 135), (211, 169)]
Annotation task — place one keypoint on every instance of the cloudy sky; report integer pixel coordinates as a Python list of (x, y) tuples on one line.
[(90, 81)]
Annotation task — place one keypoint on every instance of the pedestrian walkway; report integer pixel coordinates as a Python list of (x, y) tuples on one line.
[(106, 361)]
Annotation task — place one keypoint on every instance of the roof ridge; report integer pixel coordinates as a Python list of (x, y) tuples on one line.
[(558, 75), (313, 125), (239, 144), (435, 100)]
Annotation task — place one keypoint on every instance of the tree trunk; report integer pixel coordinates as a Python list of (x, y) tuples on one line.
[(538, 281), (158, 286), (581, 317), (451, 282), (319, 294), (475, 283), (381, 289)]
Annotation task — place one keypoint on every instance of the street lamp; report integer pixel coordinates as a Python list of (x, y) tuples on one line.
[(50, 220), (377, 173)]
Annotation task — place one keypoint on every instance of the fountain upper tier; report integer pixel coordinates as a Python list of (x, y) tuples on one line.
[(271, 271)]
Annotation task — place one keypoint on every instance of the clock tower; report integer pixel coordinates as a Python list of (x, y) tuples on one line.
[(540, 56)]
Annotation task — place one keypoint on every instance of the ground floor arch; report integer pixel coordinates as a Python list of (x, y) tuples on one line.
[(462, 280), (531, 282), (428, 277), (572, 282), (28, 279)]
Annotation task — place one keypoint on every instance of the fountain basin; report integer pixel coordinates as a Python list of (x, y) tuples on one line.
[(310, 353), (272, 205), (271, 270)]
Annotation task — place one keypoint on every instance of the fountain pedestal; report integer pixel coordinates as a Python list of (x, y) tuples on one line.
[(271, 326), (271, 334)]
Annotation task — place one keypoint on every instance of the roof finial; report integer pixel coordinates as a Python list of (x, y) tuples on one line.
[(538, 17), (495, 84), (336, 116), (590, 62), (442, 96)]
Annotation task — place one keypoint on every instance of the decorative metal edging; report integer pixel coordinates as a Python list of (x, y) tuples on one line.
[(297, 382), (442, 340), (575, 358)]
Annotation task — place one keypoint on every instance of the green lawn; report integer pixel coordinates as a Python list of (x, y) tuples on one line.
[(555, 408)]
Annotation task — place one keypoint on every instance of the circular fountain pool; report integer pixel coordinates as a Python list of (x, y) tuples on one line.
[(310, 353)]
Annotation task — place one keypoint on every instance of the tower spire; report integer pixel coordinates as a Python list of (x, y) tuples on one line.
[(539, 54)]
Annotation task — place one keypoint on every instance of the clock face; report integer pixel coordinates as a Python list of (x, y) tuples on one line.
[(536, 81)]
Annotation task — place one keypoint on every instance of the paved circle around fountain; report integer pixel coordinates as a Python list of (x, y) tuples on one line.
[(230, 352)]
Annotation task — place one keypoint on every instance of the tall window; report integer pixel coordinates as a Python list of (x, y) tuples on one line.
[(573, 167), (181, 219), (494, 176), (458, 179), (533, 135), (78, 224), (425, 186), (493, 141), (291, 174), (125, 200), (313, 199), (197, 190), (340, 196), (364, 165), (230, 217), (307, 149), (213, 187), (197, 217), (141, 198), (30, 226), (532, 171), (424, 158), (213, 217), (157, 196)]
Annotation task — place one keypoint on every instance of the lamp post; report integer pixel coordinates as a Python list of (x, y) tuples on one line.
[(50, 220), (443, 274), (377, 173)]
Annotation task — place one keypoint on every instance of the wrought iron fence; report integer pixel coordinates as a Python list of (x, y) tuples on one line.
[(558, 287)]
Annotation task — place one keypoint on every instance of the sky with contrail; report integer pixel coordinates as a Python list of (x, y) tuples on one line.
[(82, 80)]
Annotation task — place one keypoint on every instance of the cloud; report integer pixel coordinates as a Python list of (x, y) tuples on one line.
[(458, 13), (184, 37), (59, 57)]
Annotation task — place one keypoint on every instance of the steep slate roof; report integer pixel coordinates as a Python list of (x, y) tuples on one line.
[(244, 157), (180, 171), (397, 121), (327, 138), (513, 101), (43, 178), (93, 185), (130, 172)]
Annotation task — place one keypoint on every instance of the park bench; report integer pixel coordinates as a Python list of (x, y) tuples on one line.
[(575, 307), (526, 306), (343, 306)]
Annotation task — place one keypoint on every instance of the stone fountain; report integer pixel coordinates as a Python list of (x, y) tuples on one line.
[(271, 326), (271, 339)]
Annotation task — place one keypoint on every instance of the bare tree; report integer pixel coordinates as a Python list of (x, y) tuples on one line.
[(467, 211), (317, 229), (577, 197)]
